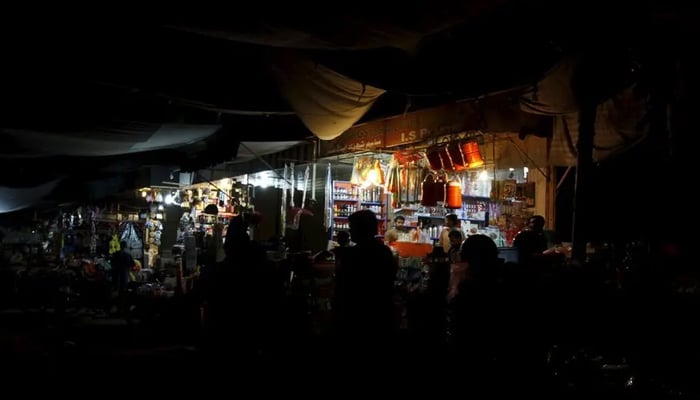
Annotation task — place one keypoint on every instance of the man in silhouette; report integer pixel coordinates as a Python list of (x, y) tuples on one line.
[(240, 296), (364, 310), (531, 242), (121, 264)]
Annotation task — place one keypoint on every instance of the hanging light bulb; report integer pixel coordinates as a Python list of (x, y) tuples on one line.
[(375, 176)]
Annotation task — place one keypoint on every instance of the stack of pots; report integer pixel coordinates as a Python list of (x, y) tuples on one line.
[(453, 156)]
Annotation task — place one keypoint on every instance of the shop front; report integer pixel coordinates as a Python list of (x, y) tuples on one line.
[(467, 159)]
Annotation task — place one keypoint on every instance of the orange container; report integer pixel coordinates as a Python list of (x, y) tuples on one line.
[(472, 154), (453, 195)]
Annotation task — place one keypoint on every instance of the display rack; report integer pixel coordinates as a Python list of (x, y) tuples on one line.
[(348, 198), (345, 202), (374, 198)]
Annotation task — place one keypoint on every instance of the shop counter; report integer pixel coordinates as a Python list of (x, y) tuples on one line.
[(412, 249)]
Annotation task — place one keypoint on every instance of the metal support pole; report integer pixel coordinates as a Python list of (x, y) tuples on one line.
[(584, 166)]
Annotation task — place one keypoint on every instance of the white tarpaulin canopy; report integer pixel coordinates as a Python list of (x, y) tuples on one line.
[(327, 102), (106, 141), (248, 151), (13, 199)]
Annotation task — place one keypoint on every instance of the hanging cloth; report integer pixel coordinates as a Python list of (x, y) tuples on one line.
[(292, 179), (328, 200), (283, 206), (301, 210)]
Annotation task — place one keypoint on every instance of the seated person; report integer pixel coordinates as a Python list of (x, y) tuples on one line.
[(531, 241)]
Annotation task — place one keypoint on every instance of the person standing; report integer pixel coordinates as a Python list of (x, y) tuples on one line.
[(121, 264), (451, 223), (456, 239), (393, 234), (364, 309)]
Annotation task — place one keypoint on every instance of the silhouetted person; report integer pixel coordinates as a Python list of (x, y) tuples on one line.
[(474, 312), (343, 239), (239, 295), (365, 274), (121, 264), (531, 242)]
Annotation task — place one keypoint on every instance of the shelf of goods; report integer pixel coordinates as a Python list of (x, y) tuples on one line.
[(349, 198)]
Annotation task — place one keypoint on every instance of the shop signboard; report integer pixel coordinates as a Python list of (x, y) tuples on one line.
[(365, 137), (411, 128), (418, 126), (465, 135)]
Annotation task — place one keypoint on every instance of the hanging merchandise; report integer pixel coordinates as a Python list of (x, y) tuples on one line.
[(367, 171), (472, 154), (132, 235), (410, 178), (447, 163), (357, 165), (433, 188), (283, 206), (457, 157), (405, 177), (375, 176), (306, 184), (393, 181), (292, 179), (313, 182), (434, 159), (93, 233), (406, 157), (222, 198), (300, 211), (439, 188), (328, 200), (453, 195), (429, 197), (403, 185), (114, 245)]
